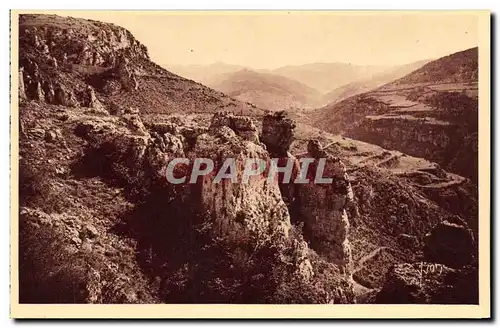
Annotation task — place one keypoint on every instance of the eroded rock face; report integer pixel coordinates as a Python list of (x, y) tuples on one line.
[(255, 206), (428, 138), (22, 90), (429, 283), (240, 210), (451, 243), (241, 125), (94, 44), (92, 48), (277, 133), (322, 208)]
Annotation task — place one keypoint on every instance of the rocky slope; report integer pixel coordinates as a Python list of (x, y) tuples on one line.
[(267, 91), (430, 113), (122, 233), (397, 201), (99, 222), (67, 61), (370, 83)]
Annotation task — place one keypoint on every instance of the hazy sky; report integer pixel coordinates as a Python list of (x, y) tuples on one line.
[(273, 39)]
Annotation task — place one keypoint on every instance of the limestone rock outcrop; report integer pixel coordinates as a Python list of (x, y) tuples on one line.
[(277, 133), (239, 211), (95, 43), (49, 42), (254, 206), (321, 207), (241, 125)]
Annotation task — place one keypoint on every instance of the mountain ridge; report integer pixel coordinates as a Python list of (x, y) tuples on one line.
[(368, 84), (443, 112), (267, 90)]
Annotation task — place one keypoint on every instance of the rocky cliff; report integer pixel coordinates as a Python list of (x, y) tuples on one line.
[(63, 60), (96, 127), (321, 208)]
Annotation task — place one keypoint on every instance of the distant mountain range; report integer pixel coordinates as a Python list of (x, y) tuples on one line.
[(326, 77), (204, 74), (288, 87), (269, 91)]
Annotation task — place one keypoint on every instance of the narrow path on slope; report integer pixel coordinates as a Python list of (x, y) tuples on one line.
[(358, 288), (369, 256), (456, 180)]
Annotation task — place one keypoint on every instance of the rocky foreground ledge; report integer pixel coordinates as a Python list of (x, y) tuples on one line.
[(207, 242), (235, 235)]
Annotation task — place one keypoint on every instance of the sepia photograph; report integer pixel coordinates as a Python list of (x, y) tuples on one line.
[(200, 161)]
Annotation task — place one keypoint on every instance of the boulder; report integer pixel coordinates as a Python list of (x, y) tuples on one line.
[(53, 135), (89, 231), (450, 243), (408, 241), (429, 283)]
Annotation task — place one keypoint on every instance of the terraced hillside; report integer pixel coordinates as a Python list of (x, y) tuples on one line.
[(431, 113), (399, 199)]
